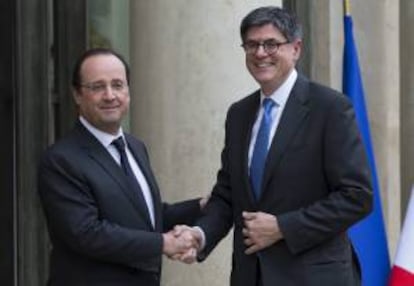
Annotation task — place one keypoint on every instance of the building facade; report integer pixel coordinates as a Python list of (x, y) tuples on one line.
[(187, 67)]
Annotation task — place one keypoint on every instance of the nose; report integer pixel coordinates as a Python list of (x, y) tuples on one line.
[(260, 51), (108, 93)]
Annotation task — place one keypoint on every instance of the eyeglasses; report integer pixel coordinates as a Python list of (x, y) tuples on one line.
[(270, 46), (100, 87)]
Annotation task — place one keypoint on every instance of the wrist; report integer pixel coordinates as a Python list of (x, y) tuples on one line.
[(166, 244)]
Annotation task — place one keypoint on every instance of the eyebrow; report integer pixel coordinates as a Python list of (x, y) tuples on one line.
[(103, 81)]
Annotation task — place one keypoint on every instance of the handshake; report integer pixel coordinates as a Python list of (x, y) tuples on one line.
[(182, 243)]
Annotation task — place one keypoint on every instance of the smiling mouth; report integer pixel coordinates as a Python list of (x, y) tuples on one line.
[(109, 107), (264, 65)]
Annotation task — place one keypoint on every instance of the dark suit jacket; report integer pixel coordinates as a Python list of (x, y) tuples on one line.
[(99, 233), (316, 181)]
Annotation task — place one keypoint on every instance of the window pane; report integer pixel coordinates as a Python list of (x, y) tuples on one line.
[(108, 25)]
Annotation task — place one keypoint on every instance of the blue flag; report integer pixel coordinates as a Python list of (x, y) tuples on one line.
[(368, 236)]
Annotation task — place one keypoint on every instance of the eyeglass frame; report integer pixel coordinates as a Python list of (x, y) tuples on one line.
[(100, 86), (265, 44)]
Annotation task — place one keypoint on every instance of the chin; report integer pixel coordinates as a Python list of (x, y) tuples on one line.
[(264, 81), (263, 77)]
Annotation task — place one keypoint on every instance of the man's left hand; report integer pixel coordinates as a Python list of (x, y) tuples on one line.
[(260, 231)]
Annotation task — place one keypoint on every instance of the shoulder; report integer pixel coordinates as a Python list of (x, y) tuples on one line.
[(66, 148), (318, 94), (246, 103), (131, 139), (136, 145), (72, 148), (248, 100), (324, 92)]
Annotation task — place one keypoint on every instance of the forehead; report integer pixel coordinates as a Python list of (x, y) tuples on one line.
[(267, 31), (102, 66)]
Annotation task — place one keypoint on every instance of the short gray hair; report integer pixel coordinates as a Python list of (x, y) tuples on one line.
[(281, 19)]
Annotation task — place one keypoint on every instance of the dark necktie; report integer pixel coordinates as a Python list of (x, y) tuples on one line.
[(260, 148), (126, 167)]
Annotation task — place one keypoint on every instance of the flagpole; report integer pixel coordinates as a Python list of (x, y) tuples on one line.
[(347, 8)]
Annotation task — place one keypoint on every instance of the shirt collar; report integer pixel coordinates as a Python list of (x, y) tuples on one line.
[(281, 95), (103, 137)]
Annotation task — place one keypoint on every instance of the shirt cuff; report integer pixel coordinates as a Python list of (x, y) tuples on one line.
[(203, 237)]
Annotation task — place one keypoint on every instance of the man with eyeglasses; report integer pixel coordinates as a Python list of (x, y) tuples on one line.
[(106, 221), (294, 175)]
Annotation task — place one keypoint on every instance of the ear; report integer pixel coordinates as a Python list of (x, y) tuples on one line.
[(297, 48), (76, 95)]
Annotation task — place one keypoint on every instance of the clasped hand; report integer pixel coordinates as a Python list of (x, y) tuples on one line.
[(260, 231), (182, 243)]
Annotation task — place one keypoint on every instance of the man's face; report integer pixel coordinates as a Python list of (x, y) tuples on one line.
[(103, 97), (271, 69)]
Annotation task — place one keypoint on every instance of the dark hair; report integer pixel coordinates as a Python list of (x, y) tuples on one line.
[(76, 75), (281, 19)]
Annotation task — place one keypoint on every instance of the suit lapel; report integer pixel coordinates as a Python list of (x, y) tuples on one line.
[(146, 171), (249, 118), (293, 115), (97, 152)]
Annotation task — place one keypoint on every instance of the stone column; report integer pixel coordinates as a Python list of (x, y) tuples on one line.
[(325, 42), (377, 35), (377, 40), (187, 68), (407, 102)]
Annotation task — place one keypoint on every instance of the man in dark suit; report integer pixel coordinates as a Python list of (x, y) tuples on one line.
[(294, 175), (101, 200)]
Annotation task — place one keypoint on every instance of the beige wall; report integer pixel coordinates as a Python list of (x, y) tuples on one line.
[(188, 67), (378, 40), (407, 100)]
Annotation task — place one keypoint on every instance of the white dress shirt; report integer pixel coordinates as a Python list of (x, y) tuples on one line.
[(106, 139), (280, 97)]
